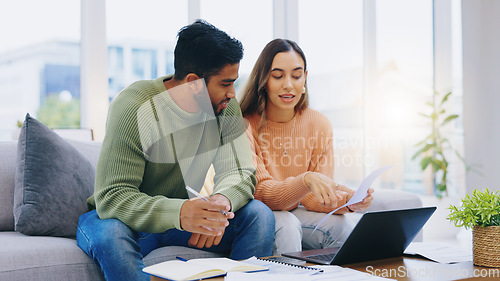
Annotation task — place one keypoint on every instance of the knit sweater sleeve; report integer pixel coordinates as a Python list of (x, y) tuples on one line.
[(120, 171), (277, 195), (322, 161)]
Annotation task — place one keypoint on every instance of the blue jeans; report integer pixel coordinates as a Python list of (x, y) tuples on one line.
[(119, 250)]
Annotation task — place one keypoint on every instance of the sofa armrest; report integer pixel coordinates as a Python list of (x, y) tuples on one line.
[(388, 199)]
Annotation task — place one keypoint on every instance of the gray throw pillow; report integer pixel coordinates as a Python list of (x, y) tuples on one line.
[(53, 181)]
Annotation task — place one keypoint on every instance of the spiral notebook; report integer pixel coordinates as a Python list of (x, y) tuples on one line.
[(277, 266)]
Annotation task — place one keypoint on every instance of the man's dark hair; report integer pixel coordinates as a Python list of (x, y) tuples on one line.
[(204, 50)]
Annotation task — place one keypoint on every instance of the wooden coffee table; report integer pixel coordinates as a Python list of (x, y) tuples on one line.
[(408, 268)]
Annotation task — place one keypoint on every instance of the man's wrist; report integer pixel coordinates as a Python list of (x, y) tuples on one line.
[(221, 198)]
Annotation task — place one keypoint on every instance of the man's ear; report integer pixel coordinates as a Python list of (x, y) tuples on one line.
[(191, 77), (194, 82)]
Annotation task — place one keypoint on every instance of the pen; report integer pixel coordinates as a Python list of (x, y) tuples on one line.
[(188, 188), (182, 259)]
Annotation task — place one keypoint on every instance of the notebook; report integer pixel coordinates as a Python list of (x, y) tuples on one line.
[(377, 235), (196, 269), (280, 265)]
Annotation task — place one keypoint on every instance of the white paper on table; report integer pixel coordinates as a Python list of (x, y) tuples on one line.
[(334, 272), (439, 252), (242, 276), (360, 193), (337, 273)]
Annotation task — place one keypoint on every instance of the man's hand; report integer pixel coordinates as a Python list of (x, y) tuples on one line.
[(201, 240), (325, 189), (205, 221)]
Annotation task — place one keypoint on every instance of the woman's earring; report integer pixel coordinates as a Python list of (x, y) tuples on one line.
[(304, 89)]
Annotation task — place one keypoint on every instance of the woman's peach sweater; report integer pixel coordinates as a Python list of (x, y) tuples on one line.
[(308, 142)]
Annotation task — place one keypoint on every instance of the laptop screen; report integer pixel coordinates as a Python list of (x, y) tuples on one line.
[(377, 235)]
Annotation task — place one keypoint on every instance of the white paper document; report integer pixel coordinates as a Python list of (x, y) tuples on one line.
[(360, 193), (439, 252), (241, 276), (330, 272), (337, 273)]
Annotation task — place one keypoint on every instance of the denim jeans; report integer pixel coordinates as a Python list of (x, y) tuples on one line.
[(294, 230), (119, 250)]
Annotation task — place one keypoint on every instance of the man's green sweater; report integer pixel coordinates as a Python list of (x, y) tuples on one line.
[(153, 149)]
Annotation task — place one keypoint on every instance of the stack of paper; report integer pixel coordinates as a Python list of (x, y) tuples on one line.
[(285, 272)]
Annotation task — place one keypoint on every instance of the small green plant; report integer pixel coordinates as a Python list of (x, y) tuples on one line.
[(56, 113), (481, 209), (434, 147)]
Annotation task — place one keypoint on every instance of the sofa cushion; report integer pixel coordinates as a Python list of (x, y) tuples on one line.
[(55, 258), (53, 181), (7, 171), (44, 258)]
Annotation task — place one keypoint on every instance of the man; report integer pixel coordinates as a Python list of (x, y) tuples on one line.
[(162, 135)]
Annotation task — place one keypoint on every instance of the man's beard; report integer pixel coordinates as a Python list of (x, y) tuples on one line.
[(205, 104)]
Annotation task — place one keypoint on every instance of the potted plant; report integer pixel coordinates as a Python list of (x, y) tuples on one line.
[(481, 212), (434, 148)]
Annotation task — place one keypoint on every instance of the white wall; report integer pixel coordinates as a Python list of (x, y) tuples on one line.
[(481, 85)]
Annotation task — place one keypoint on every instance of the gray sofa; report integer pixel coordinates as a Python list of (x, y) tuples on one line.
[(35, 257), (48, 258)]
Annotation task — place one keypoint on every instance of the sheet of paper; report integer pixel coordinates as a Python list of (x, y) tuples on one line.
[(360, 193), (337, 273), (330, 272), (439, 252), (241, 276)]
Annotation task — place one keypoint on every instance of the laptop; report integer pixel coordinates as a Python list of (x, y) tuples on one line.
[(377, 235)]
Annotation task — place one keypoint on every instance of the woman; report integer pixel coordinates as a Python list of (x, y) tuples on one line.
[(293, 147)]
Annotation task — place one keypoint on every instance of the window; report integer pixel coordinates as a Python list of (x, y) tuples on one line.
[(372, 92), (39, 60), (116, 77), (251, 22), (374, 124), (331, 36), (141, 39), (144, 64), (404, 47)]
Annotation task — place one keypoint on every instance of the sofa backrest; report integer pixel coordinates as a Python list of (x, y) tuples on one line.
[(8, 154)]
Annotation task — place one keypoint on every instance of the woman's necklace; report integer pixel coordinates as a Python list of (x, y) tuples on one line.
[(285, 152)]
